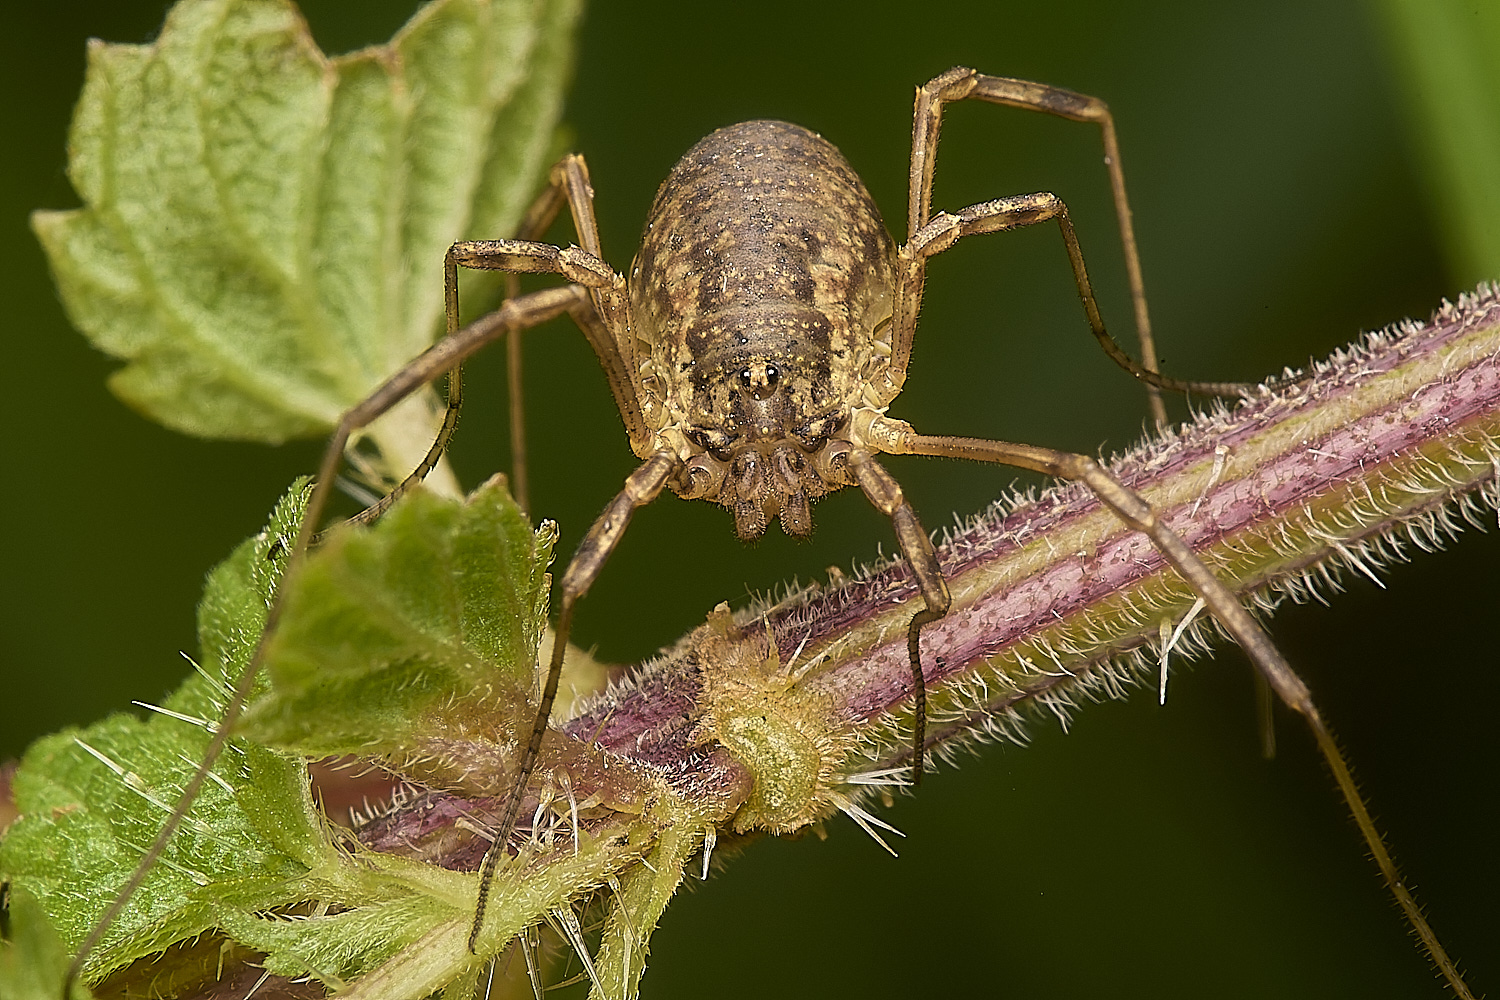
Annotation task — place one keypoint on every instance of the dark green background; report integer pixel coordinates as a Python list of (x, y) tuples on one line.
[(1151, 852)]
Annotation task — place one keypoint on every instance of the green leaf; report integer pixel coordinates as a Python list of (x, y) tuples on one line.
[(33, 960), (337, 947), (91, 800), (253, 846), (261, 240), (263, 227), (640, 896), (439, 606)]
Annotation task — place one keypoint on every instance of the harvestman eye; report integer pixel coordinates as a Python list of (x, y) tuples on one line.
[(769, 304), (761, 388)]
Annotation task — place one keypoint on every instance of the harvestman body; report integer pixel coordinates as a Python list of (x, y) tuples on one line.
[(762, 330)]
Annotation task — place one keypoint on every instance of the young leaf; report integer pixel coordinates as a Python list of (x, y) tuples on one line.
[(32, 958), (439, 606), (263, 226), (90, 800), (254, 847)]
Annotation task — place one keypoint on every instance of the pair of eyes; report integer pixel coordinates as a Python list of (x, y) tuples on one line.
[(760, 391)]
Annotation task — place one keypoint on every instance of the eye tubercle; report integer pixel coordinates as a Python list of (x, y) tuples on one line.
[(760, 380)]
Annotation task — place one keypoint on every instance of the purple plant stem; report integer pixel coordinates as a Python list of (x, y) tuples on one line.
[(1053, 596), (1385, 434)]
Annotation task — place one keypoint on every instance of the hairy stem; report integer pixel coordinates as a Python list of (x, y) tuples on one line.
[(1389, 445), (775, 718)]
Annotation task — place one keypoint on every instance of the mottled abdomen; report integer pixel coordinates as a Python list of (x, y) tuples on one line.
[(763, 275)]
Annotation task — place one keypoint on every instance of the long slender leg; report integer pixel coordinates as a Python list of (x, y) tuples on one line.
[(898, 438), (961, 83), (946, 229), (568, 181), (641, 487), (606, 298), (933, 237), (885, 493), (529, 310), (598, 318), (585, 270), (429, 461)]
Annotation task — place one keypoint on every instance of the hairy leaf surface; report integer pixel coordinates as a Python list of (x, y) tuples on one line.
[(263, 227), (439, 606)]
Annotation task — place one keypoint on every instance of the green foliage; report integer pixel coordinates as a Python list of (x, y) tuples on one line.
[(33, 960), (442, 606), (254, 225), (440, 601), (263, 225), (91, 800)]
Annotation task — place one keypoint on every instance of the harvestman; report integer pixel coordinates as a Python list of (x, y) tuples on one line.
[(763, 329)]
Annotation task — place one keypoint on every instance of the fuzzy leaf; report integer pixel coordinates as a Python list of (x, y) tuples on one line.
[(263, 227), (441, 604), (33, 960), (338, 947), (633, 911), (92, 799)]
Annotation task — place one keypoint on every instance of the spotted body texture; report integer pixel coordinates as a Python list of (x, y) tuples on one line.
[(761, 299)]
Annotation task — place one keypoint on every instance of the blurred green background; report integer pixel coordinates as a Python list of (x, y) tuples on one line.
[(1151, 852)]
